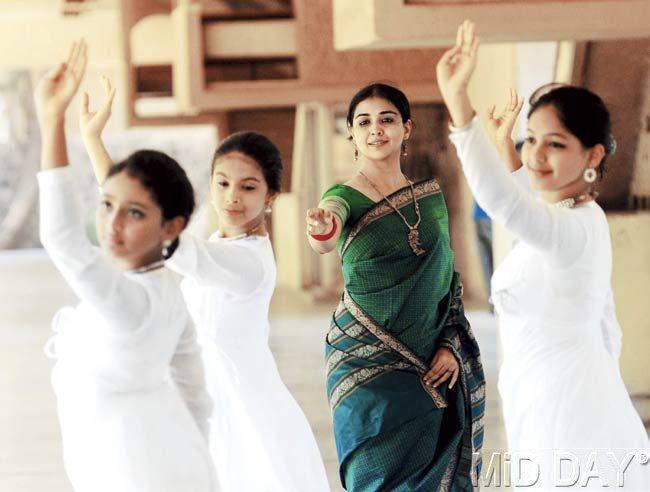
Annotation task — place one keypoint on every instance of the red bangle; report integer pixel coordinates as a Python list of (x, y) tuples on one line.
[(329, 235)]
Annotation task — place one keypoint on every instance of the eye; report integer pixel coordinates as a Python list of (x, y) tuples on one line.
[(105, 204), (530, 140), (388, 120), (249, 187), (135, 213), (557, 145), (364, 122), (222, 184)]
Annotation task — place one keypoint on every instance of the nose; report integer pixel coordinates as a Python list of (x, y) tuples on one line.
[(376, 129), (115, 221), (232, 195), (539, 155)]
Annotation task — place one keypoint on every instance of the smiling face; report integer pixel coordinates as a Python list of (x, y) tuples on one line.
[(239, 193), (377, 129), (129, 223), (554, 157)]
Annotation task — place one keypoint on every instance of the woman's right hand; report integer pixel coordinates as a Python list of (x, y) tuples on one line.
[(91, 124), (456, 66), (319, 221)]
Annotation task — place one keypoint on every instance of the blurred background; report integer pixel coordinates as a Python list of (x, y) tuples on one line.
[(190, 72)]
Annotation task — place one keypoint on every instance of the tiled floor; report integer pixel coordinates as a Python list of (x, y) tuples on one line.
[(30, 293)]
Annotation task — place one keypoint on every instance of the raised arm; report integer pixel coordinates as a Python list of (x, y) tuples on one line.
[(123, 302), (91, 125), (557, 232), (550, 229)]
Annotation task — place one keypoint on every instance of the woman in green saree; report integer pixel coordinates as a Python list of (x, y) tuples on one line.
[(398, 341)]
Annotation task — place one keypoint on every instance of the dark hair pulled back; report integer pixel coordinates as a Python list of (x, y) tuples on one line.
[(165, 179), (582, 113), (260, 149), (383, 91)]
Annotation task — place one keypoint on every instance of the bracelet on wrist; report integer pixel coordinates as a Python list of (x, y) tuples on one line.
[(329, 235)]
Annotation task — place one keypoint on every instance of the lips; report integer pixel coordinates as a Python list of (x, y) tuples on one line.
[(233, 212), (540, 173), (377, 143), (115, 241)]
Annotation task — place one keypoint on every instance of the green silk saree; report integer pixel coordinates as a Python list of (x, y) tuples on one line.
[(392, 432)]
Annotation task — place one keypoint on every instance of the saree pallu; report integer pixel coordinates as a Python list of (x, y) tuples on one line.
[(393, 432)]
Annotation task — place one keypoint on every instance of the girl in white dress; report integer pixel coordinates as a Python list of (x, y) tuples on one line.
[(565, 404), (261, 441), (128, 377)]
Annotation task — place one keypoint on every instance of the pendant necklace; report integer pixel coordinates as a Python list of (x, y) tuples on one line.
[(413, 236)]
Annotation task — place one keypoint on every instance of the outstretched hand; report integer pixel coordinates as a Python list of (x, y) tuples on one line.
[(319, 221), (57, 88), (456, 66), (500, 126), (92, 124)]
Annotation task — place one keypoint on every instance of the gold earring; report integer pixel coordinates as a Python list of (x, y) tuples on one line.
[(356, 154), (404, 149)]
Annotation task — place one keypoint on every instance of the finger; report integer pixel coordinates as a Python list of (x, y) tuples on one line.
[(513, 99), (471, 32), (454, 378), (436, 370), (80, 68), (463, 41), (443, 377), (85, 101), (520, 104), (474, 47), (108, 102), (72, 53), (490, 112), (74, 59), (107, 85), (459, 35)]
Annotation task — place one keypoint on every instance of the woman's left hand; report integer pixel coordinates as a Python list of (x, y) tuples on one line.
[(443, 366)]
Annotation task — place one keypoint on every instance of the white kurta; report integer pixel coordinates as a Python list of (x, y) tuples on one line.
[(560, 382), (128, 375), (261, 441)]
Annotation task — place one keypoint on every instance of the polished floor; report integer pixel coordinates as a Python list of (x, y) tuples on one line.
[(30, 293)]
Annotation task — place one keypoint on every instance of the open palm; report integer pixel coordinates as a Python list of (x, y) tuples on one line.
[(457, 64), (500, 126), (92, 124), (57, 88)]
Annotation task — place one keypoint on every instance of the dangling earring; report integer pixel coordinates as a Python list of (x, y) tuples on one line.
[(590, 175), (165, 250), (404, 149), (356, 154), (268, 210)]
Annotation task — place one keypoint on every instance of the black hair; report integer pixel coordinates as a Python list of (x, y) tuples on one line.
[(259, 148), (384, 91), (165, 180), (582, 113)]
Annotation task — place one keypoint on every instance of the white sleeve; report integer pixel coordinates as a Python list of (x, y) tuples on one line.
[(521, 177), (557, 232), (186, 370), (226, 264), (611, 330), (124, 303)]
